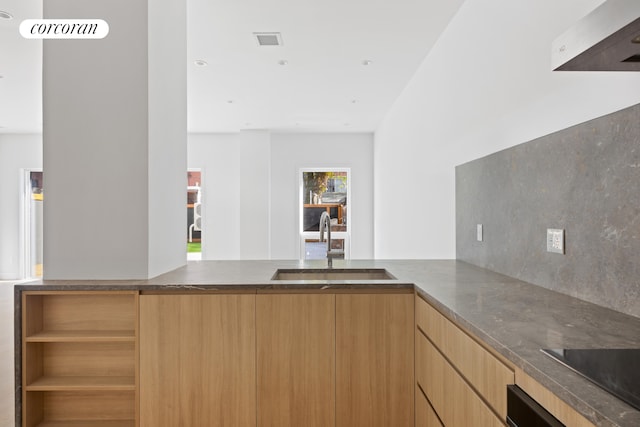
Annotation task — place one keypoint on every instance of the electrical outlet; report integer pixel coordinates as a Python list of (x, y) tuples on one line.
[(479, 232), (555, 240)]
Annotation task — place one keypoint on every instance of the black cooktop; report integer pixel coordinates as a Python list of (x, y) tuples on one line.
[(615, 370)]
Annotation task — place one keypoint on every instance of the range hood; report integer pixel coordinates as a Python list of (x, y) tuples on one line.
[(608, 39)]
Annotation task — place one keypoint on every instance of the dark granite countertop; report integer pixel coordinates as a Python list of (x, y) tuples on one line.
[(515, 318)]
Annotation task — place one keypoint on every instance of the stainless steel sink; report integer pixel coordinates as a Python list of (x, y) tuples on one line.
[(333, 274)]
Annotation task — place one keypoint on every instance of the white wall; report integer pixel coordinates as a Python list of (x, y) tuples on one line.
[(167, 133), (486, 85), (235, 193), (289, 153), (94, 151), (17, 152), (250, 190), (255, 174), (218, 157)]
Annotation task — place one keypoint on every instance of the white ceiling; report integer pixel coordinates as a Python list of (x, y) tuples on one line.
[(324, 87)]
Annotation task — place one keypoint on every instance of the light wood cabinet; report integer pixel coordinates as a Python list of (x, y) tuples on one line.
[(484, 372), (449, 362), (120, 359), (79, 359), (340, 358), (455, 402), (335, 360), (374, 360), (296, 360), (552, 403), (197, 360), (425, 415)]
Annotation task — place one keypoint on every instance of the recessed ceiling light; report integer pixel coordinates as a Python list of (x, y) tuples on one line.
[(283, 62), (200, 62), (367, 62), (5, 15), (635, 40)]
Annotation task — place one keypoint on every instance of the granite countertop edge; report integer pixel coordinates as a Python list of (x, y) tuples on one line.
[(514, 318)]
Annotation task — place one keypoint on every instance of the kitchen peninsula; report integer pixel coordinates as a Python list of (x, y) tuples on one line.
[(509, 319)]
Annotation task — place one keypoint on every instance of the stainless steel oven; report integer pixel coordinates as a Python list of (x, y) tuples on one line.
[(523, 411)]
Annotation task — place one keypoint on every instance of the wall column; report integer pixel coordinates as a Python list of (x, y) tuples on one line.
[(255, 185), (114, 142)]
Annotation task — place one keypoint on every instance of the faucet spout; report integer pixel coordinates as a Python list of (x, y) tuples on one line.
[(325, 222)]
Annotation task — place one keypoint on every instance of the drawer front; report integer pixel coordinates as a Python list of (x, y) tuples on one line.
[(455, 402), (488, 375), (425, 415), (558, 408)]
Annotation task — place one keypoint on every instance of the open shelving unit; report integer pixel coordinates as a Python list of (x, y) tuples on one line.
[(80, 359)]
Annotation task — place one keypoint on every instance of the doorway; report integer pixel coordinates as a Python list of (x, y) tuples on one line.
[(194, 215), (324, 190), (33, 196)]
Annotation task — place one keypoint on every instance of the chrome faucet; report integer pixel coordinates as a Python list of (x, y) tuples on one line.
[(325, 221)]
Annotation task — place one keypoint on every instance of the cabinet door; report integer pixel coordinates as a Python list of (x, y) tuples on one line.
[(296, 360), (374, 360), (197, 360)]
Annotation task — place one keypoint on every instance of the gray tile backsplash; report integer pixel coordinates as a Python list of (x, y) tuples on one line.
[(585, 180)]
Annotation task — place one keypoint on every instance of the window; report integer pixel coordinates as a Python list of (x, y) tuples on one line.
[(324, 190)]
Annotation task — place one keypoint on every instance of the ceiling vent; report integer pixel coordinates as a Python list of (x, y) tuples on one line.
[(268, 39)]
